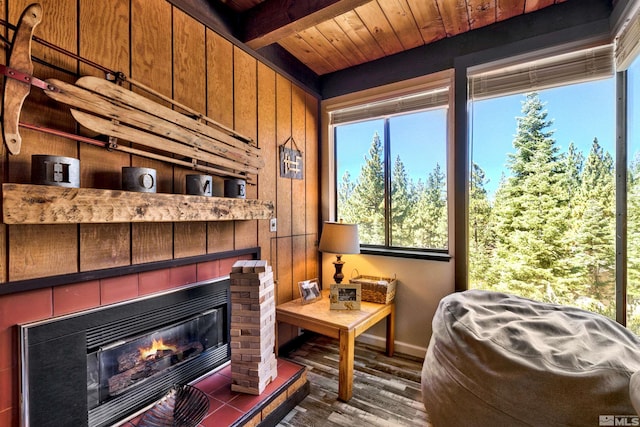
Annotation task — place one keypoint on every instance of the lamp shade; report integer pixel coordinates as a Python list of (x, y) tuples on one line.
[(340, 238)]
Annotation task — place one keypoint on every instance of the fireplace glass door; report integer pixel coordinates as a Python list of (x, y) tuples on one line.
[(121, 366)]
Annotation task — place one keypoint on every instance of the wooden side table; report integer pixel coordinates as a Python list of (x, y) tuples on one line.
[(344, 325)]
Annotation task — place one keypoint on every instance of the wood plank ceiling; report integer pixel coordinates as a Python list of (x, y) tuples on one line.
[(331, 35)]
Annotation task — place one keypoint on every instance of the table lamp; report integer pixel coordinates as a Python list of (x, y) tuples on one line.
[(339, 238)]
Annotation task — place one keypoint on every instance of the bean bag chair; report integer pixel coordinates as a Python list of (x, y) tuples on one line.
[(500, 360)]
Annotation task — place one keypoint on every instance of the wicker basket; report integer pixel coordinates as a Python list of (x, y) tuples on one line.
[(375, 288)]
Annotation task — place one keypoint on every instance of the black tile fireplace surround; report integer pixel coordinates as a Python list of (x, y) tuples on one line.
[(57, 354)]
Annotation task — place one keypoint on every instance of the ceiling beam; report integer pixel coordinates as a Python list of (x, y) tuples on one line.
[(272, 20)]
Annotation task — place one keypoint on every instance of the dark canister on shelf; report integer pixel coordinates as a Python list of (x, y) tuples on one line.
[(142, 180), (235, 188), (199, 185), (55, 170)]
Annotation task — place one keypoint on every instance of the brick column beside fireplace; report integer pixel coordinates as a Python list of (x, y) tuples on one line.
[(22, 307)]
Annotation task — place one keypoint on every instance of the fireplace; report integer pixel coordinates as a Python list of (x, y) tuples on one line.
[(96, 367)]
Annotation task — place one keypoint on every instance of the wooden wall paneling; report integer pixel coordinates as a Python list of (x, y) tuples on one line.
[(104, 246), (283, 132), (42, 251), (284, 242), (220, 235), (151, 64), (245, 119), (219, 79), (312, 255), (298, 273), (189, 238), (58, 26), (104, 39), (284, 269), (153, 241), (312, 185), (190, 89), (267, 143), (298, 199), (285, 249), (299, 262), (284, 274)]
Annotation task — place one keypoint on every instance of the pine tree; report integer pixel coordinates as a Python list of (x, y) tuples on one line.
[(402, 202), (532, 214), (570, 277), (345, 191), (633, 243), (481, 241), (596, 233), (430, 218), (367, 201), (574, 163)]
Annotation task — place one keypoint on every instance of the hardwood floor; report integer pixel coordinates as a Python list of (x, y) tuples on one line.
[(386, 390)]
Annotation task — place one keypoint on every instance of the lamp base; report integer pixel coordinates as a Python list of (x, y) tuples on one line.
[(338, 276)]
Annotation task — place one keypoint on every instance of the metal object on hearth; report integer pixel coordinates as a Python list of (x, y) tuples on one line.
[(142, 180), (183, 406), (235, 188), (199, 185), (55, 170)]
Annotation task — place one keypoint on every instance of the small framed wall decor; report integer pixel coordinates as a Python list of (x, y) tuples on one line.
[(309, 291), (345, 296)]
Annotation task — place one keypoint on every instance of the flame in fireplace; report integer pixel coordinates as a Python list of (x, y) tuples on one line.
[(156, 346)]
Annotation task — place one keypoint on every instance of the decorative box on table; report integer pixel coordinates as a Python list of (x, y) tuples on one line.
[(375, 288)]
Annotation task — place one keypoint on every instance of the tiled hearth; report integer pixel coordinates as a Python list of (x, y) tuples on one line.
[(229, 408)]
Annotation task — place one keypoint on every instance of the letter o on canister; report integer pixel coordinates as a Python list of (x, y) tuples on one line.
[(142, 180)]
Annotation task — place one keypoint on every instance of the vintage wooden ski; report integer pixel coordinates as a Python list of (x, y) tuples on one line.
[(147, 139), (174, 138), (199, 116), (16, 91), (127, 97), (189, 164)]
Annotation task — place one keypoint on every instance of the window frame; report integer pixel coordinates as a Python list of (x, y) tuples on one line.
[(470, 65), (329, 182), (555, 70)]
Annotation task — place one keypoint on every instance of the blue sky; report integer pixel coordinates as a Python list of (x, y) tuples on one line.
[(579, 113), (417, 139)]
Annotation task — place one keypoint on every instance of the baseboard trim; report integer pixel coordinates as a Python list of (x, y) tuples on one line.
[(400, 347)]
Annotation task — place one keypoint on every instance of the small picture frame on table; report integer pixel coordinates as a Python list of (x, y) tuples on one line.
[(345, 296), (309, 291)]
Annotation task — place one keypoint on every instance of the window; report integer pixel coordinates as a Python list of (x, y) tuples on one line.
[(391, 170), (542, 207), (633, 198), (627, 61)]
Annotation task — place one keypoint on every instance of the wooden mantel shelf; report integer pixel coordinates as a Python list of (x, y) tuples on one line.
[(43, 204)]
